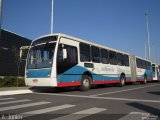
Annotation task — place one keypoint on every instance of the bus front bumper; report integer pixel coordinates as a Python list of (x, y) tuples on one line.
[(41, 82)]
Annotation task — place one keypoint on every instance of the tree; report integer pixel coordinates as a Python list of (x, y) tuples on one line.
[(17, 60)]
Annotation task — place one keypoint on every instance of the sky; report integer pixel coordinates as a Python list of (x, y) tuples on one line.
[(119, 24)]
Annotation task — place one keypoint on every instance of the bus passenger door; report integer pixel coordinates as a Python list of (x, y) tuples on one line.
[(67, 59)]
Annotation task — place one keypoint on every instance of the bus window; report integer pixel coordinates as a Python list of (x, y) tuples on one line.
[(112, 57), (70, 61), (104, 56), (84, 52), (95, 54), (41, 56), (153, 67), (126, 60), (144, 64), (148, 65), (119, 59), (139, 65)]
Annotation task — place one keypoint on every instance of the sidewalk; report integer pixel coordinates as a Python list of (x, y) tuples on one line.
[(14, 90)]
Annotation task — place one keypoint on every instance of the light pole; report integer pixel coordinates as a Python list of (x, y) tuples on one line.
[(154, 56), (52, 18), (0, 17), (145, 51), (153, 52), (149, 46)]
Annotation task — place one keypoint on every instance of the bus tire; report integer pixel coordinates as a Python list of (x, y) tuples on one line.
[(122, 81), (85, 83)]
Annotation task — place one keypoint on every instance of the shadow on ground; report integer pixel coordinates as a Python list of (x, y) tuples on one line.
[(154, 93), (65, 89), (146, 108)]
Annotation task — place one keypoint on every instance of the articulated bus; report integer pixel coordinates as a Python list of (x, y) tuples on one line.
[(60, 60), (156, 71)]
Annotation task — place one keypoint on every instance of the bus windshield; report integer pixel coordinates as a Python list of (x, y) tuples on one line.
[(41, 55)]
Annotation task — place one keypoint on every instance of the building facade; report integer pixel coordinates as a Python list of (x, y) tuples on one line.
[(10, 64)]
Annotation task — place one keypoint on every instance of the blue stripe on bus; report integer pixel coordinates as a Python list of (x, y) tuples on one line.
[(77, 78), (38, 73), (77, 70), (75, 74)]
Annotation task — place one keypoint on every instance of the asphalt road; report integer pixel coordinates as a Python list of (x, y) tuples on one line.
[(132, 102)]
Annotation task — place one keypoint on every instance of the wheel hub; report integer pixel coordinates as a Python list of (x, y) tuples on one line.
[(86, 82)]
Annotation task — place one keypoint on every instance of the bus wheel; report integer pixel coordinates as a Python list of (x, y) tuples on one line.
[(122, 81), (85, 83)]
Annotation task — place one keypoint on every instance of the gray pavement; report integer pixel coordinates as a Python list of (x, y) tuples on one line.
[(13, 88), (132, 102)]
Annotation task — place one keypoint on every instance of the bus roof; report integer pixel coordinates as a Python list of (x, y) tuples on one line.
[(143, 59), (87, 42), (83, 41)]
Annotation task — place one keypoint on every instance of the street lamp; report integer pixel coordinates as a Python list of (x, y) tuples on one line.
[(0, 17), (52, 18), (145, 51), (149, 47)]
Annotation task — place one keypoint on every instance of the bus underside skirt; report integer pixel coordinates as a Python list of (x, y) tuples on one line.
[(68, 84), (105, 82)]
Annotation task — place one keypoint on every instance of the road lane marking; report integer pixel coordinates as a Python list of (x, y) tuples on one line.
[(129, 99), (91, 111), (126, 90), (81, 114), (16, 101), (7, 98), (22, 106), (14, 92), (46, 110), (106, 98)]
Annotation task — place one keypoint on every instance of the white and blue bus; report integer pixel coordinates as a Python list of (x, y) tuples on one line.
[(60, 60)]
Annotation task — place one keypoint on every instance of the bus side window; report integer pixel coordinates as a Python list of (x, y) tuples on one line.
[(119, 59), (104, 56), (144, 64), (153, 67), (126, 60), (112, 57), (95, 54), (85, 55), (138, 63)]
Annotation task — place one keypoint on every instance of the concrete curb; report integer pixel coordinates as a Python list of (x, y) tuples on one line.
[(14, 92)]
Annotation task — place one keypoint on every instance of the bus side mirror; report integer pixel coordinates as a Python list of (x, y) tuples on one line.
[(20, 55), (64, 53), (23, 52)]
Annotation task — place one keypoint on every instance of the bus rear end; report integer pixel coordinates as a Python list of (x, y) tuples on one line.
[(156, 72)]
